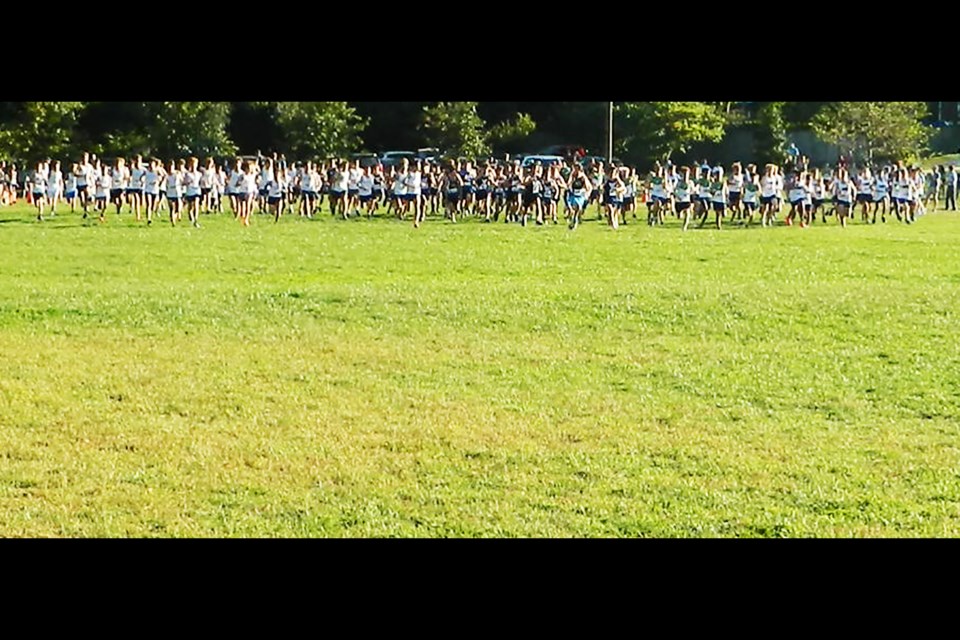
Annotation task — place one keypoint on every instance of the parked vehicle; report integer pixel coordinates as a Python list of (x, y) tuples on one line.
[(393, 158), (544, 160)]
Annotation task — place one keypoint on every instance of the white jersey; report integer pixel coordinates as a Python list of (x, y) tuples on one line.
[(365, 185), (769, 186), (682, 191), (413, 183), (250, 183), (400, 184), (151, 183), (174, 185), (83, 175), (136, 178), (353, 179), (70, 185), (308, 181), (340, 181), (276, 188), (118, 178), (191, 183), (54, 183), (842, 191), (735, 183), (104, 184), (880, 188)]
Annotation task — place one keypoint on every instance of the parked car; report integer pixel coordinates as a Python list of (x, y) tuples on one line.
[(544, 160), (393, 158), (428, 154), (366, 159)]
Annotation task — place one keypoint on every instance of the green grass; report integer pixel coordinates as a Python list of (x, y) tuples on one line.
[(361, 378)]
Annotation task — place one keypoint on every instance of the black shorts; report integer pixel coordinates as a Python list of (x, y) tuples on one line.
[(628, 202), (115, 194), (750, 206), (733, 198), (81, 188), (864, 198), (719, 207), (274, 200), (682, 206), (765, 200), (453, 197), (529, 199)]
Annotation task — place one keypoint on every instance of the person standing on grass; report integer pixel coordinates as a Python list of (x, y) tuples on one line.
[(70, 189), (104, 187), (119, 178), (308, 190), (135, 186), (950, 185), (842, 195), (39, 190), (577, 195), (451, 185), (191, 188), (414, 201), (365, 192), (151, 189), (54, 187), (208, 180), (174, 189), (276, 188)]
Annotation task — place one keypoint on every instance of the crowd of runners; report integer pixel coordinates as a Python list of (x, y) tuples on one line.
[(488, 190)]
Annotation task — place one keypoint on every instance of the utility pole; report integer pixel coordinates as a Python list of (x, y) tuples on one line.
[(610, 133)]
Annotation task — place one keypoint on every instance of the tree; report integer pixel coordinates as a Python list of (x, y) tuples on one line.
[(456, 128), (771, 133), (314, 129), (657, 130), (30, 131), (180, 129), (511, 135), (890, 130)]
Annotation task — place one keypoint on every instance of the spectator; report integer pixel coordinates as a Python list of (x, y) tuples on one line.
[(950, 180)]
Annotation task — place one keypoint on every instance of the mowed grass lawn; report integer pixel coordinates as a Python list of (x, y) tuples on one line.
[(361, 378)]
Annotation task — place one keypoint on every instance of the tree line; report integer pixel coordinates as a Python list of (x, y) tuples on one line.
[(645, 131)]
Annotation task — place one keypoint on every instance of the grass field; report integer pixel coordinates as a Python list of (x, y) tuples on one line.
[(332, 378)]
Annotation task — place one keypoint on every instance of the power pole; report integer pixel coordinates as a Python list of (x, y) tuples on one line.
[(610, 133)]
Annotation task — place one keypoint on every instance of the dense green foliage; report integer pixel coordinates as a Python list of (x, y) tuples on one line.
[(645, 131), (361, 378)]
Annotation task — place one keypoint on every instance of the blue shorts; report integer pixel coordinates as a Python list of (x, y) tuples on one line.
[(173, 198), (309, 194), (482, 194), (366, 199), (353, 192), (468, 188), (750, 206), (274, 200), (659, 199), (426, 192), (576, 202), (410, 197), (191, 198), (101, 198), (264, 192), (612, 202), (70, 194)]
